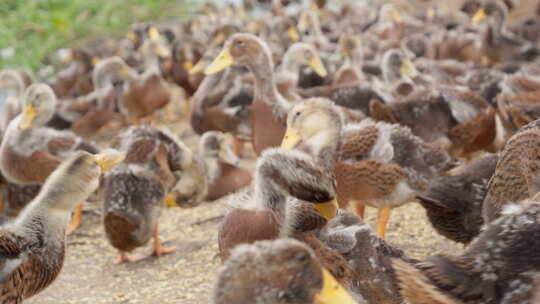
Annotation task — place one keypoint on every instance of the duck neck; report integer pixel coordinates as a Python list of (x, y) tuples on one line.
[(212, 168), (265, 85), (496, 25), (151, 64), (267, 192), (326, 152), (391, 75), (202, 93), (38, 219)]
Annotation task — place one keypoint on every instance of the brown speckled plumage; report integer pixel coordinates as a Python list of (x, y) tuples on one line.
[(377, 157), (32, 247), (516, 174), (500, 266), (34, 273), (454, 203), (134, 190), (281, 271)]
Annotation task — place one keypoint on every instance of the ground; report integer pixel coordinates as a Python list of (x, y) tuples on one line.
[(186, 276)]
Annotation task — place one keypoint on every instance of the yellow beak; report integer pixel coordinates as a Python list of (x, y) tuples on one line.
[(395, 16), (222, 61), (162, 51), (316, 64), (408, 68), (291, 139), (187, 65), (328, 209), (479, 16), (132, 36), (332, 292), (28, 116), (197, 68), (220, 37), (95, 60), (293, 34), (109, 159), (153, 34), (125, 71), (170, 200)]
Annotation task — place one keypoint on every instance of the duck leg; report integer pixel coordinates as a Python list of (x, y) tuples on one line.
[(360, 209), (384, 215), (158, 249), (124, 258), (238, 147), (75, 220)]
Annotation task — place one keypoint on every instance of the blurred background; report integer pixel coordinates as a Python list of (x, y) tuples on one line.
[(30, 30)]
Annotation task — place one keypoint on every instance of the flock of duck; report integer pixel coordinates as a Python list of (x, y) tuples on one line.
[(373, 105)]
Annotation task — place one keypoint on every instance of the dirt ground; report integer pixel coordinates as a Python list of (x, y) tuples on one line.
[(186, 276)]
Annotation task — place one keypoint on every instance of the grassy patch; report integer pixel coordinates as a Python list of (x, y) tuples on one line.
[(35, 28)]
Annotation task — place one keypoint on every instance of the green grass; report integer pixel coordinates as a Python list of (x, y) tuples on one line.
[(36, 28)]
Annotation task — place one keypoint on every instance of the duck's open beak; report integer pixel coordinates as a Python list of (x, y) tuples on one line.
[(407, 68), (197, 68), (109, 159), (28, 116), (316, 64), (291, 139), (222, 61), (327, 209), (332, 292), (479, 16), (293, 34)]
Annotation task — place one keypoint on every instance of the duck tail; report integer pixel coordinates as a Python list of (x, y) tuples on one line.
[(416, 288), (120, 231)]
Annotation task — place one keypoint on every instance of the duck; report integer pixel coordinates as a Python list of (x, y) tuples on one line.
[(350, 48), (454, 118), (211, 175), (277, 271), (287, 77), (12, 87), (369, 256), (367, 154), (30, 151), (499, 266), (514, 180), (263, 212), (33, 244), (499, 45), (223, 103), (97, 111), (453, 202), (269, 108), (134, 190), (397, 74), (149, 91), (75, 79)]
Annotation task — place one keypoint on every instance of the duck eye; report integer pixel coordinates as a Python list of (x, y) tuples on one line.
[(297, 114)]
